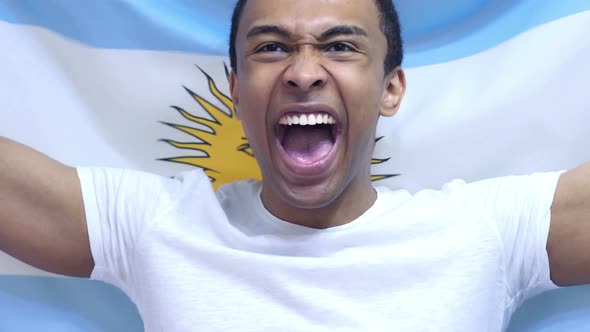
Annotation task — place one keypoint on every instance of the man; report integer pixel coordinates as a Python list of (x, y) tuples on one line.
[(314, 246)]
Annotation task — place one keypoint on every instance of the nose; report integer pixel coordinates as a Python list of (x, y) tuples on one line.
[(305, 73)]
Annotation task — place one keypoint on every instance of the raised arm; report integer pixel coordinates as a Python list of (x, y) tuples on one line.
[(568, 245), (42, 219)]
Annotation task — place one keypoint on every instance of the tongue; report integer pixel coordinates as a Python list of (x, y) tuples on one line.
[(308, 144)]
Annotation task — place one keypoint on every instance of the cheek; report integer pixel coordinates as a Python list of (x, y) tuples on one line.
[(255, 92), (361, 100), (260, 77), (360, 97), (257, 85), (254, 97), (252, 93), (359, 87)]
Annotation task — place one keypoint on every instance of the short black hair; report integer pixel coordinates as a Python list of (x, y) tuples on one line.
[(388, 21)]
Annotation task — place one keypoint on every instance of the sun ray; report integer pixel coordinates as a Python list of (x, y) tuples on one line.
[(203, 121), (188, 145), (197, 133), (225, 100), (382, 177), (211, 109), (376, 161), (226, 72)]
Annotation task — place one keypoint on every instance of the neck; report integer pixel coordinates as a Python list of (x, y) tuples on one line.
[(348, 206)]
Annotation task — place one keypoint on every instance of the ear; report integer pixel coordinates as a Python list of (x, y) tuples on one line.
[(393, 92), (233, 90)]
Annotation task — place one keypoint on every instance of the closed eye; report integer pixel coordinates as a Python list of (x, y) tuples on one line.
[(270, 48), (340, 47)]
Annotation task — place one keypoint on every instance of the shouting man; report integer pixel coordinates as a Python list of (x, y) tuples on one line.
[(314, 246)]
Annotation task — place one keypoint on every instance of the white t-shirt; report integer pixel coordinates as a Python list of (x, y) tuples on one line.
[(459, 259)]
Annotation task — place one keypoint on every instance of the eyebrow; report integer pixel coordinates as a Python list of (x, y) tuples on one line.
[(347, 30), (268, 29)]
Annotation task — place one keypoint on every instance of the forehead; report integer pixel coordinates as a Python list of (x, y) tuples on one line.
[(311, 16)]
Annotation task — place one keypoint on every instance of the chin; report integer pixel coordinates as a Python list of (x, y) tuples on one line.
[(310, 196)]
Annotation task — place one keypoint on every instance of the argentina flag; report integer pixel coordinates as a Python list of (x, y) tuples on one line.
[(495, 87)]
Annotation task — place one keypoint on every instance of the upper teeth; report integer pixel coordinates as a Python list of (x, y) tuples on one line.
[(310, 119)]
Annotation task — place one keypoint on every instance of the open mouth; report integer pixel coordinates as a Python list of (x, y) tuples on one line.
[(307, 139)]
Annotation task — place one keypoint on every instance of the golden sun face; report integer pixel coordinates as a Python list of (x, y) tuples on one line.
[(225, 154)]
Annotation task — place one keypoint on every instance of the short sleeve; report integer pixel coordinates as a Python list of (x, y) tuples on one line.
[(519, 208), (119, 205)]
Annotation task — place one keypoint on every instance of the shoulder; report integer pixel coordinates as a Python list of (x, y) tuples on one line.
[(484, 198), (497, 188), (119, 182)]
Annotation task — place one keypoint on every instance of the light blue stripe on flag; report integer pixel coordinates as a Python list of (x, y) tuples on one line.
[(435, 31), (64, 304)]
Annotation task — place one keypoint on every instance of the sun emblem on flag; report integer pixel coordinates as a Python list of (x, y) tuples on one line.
[(224, 153)]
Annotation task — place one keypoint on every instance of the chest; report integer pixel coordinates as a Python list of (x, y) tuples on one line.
[(420, 285)]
